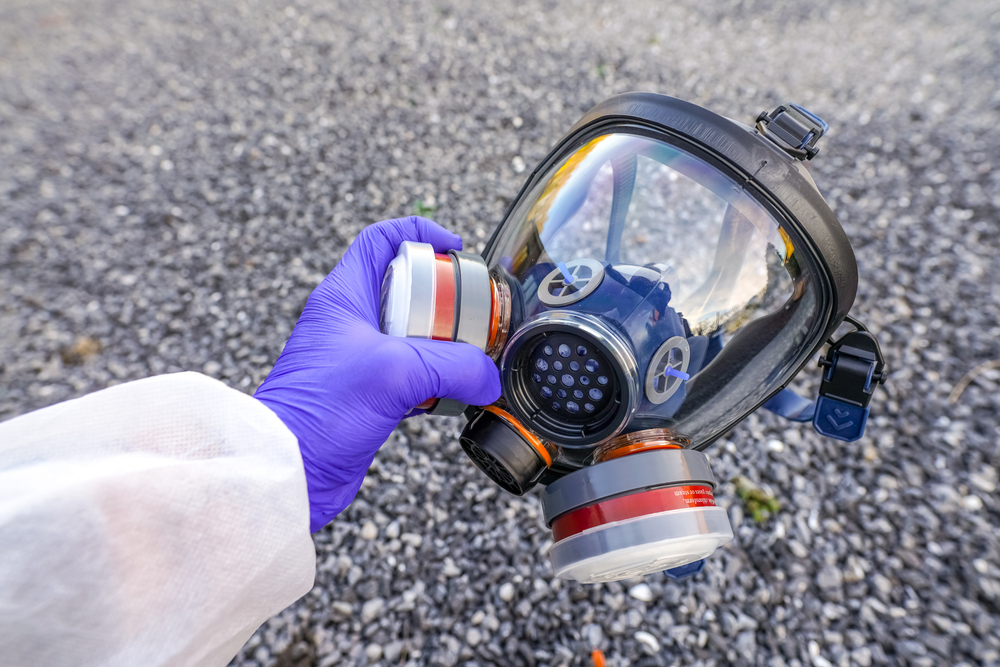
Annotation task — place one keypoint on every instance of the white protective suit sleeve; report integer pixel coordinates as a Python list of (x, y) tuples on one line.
[(158, 522)]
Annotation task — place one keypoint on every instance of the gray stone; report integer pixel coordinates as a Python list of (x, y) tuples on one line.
[(392, 530), (939, 644), (450, 569), (909, 648), (862, 656), (369, 531), (592, 634), (373, 652), (649, 643), (882, 584), (829, 577), (342, 608), (641, 592), (746, 645), (371, 609), (392, 651)]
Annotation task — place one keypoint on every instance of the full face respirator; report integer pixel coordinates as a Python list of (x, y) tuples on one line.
[(663, 273)]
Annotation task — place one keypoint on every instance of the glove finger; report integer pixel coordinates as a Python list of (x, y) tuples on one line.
[(383, 238), (453, 370), (429, 231), (357, 279)]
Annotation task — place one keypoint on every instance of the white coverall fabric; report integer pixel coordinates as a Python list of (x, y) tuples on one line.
[(158, 522)]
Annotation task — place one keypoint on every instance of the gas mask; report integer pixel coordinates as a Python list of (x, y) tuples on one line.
[(663, 273)]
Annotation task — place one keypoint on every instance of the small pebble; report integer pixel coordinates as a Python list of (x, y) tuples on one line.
[(650, 643), (641, 592), (371, 609), (369, 531), (450, 569), (972, 503)]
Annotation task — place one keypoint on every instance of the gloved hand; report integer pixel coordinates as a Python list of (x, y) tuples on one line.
[(341, 386)]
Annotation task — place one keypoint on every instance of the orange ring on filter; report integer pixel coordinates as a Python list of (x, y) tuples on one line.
[(631, 506), (635, 448), (528, 436), (500, 307), (493, 315), (640, 441), (443, 327)]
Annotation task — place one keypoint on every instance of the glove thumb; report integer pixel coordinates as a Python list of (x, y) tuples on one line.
[(453, 370)]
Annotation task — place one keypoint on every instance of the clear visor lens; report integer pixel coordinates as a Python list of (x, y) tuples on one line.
[(643, 207)]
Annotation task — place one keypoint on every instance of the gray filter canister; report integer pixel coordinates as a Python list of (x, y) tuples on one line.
[(629, 516), (449, 297)]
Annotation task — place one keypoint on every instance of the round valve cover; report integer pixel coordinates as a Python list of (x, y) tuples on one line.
[(571, 282), (666, 369)]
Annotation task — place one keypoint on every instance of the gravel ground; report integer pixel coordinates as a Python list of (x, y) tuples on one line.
[(176, 177)]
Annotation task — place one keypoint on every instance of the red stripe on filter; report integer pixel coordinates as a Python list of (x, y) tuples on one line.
[(631, 506), (444, 298)]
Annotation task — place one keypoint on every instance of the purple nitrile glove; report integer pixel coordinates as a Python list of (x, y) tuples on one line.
[(341, 385)]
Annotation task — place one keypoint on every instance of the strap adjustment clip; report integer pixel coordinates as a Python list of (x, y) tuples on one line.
[(793, 129), (854, 366)]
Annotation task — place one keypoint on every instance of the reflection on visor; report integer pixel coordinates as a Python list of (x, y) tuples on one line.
[(619, 157), (630, 200)]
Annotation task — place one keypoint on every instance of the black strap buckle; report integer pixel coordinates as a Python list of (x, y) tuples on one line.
[(794, 129), (855, 366)]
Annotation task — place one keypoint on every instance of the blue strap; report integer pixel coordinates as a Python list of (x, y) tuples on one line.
[(830, 417), (786, 403)]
